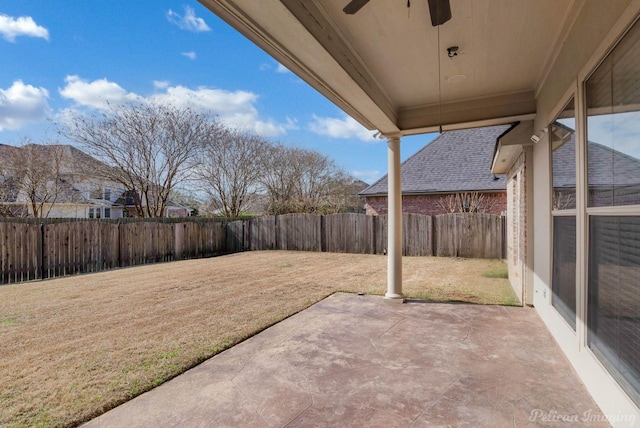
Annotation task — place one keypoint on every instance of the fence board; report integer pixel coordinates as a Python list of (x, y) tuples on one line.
[(473, 235), (18, 260), (299, 232), (348, 233), (417, 235), (235, 236), (195, 240), (263, 233), (380, 231)]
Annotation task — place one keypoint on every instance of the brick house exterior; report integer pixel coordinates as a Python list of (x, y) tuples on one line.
[(430, 204), (455, 162), (517, 226)]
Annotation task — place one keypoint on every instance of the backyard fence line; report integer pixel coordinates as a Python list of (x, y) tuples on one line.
[(31, 251), (40, 251), (473, 235)]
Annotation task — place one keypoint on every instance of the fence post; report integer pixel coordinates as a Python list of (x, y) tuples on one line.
[(248, 237), (503, 236), (433, 234), (42, 251), (242, 239), (119, 243), (226, 233), (323, 238), (173, 242)]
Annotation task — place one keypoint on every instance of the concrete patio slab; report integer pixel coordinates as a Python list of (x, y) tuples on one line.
[(354, 361)]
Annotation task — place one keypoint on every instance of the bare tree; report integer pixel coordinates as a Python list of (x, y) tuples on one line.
[(229, 169), (448, 204), (302, 180), (279, 179), (150, 148), (31, 178), (563, 200), (9, 204), (466, 202)]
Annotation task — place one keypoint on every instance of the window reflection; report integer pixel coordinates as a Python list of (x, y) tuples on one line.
[(613, 126), (563, 172), (613, 157), (563, 165)]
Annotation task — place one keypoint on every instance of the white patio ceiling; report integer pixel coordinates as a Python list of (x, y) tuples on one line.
[(388, 67)]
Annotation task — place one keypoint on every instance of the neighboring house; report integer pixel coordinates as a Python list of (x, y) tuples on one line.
[(455, 163), (73, 188), (614, 176), (498, 63), (76, 191), (174, 209), (128, 200)]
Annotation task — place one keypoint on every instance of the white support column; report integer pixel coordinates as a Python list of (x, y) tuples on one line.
[(394, 241)]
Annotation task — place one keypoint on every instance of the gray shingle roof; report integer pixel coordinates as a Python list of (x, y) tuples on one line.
[(456, 161), (607, 166)]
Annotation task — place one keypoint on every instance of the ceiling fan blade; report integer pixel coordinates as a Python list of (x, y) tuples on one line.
[(440, 11), (354, 6)]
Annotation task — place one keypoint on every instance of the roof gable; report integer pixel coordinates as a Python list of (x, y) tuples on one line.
[(456, 161)]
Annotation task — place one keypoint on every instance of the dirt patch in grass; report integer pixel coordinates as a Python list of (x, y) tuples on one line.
[(75, 347)]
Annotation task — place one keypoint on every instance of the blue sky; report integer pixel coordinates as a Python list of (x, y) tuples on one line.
[(60, 56)]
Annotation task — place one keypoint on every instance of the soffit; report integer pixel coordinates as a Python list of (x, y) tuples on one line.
[(388, 67)]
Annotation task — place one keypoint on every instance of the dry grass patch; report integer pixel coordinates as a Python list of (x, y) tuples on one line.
[(75, 347)]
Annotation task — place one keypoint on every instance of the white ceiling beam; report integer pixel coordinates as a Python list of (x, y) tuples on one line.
[(475, 110)]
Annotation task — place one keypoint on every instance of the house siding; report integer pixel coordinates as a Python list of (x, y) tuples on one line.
[(429, 204)]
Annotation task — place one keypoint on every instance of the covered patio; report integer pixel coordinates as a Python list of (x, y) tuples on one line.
[(354, 360), (410, 67)]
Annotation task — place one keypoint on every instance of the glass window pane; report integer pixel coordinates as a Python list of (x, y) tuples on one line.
[(564, 268), (613, 126), (614, 297), (563, 165)]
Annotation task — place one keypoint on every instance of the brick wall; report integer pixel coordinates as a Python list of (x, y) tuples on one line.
[(517, 225), (428, 204)]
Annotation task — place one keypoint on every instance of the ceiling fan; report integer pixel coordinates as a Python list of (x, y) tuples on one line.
[(440, 10)]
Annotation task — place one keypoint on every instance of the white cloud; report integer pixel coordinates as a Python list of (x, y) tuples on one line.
[(161, 84), (189, 21), (368, 176), (11, 27), (282, 69), (234, 108), (191, 55), (340, 128), (277, 67), (96, 94), (21, 104), (619, 131), (216, 100)]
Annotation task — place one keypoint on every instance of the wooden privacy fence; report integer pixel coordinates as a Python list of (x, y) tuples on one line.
[(457, 235), (37, 251), (472, 235)]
